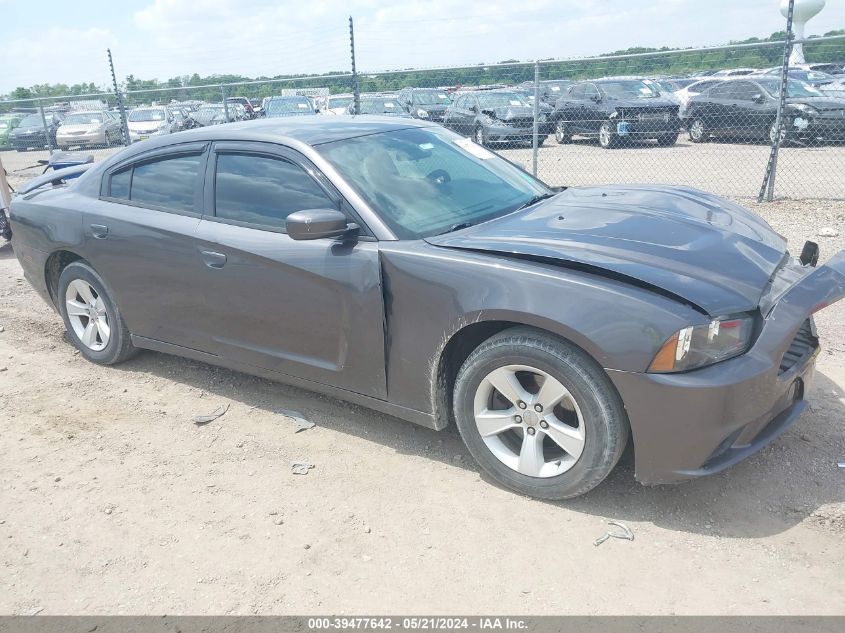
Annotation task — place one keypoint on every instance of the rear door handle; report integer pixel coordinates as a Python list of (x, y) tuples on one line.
[(213, 259), (99, 231)]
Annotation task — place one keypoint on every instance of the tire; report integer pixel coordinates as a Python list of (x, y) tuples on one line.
[(608, 138), (479, 136), (109, 348), (784, 137), (602, 424), (667, 140), (562, 136), (697, 131)]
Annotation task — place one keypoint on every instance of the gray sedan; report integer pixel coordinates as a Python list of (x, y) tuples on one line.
[(397, 265)]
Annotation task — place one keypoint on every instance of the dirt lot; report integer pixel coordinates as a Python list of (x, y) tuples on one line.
[(113, 501)]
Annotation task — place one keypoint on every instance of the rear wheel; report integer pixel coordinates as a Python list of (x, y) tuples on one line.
[(562, 134), (92, 318), (665, 140), (608, 138), (539, 415)]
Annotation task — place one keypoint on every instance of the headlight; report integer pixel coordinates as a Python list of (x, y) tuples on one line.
[(422, 113), (701, 345)]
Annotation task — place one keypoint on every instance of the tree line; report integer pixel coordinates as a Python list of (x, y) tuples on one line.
[(664, 61)]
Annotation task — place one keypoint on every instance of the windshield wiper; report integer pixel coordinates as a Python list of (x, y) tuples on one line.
[(457, 227), (535, 200)]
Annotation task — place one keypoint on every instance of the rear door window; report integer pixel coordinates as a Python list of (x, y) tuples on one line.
[(167, 182)]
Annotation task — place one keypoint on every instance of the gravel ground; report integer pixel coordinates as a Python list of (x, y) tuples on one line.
[(113, 501)]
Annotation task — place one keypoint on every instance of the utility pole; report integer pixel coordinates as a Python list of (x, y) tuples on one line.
[(767, 190), (124, 126), (356, 91)]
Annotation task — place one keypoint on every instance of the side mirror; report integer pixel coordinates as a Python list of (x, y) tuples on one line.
[(596, 98), (314, 224), (473, 108), (758, 98)]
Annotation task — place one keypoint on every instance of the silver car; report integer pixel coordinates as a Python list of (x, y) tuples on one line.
[(150, 121), (89, 128)]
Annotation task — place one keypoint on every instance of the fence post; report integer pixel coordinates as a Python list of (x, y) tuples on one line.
[(535, 142), (356, 91), (44, 122), (124, 125), (225, 104), (767, 190)]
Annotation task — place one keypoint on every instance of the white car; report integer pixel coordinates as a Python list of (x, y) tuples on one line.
[(337, 104), (150, 121), (685, 94)]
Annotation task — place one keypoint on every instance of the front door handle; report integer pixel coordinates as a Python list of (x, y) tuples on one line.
[(213, 259), (99, 231)]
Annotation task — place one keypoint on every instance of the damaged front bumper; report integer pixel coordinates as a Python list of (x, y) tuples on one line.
[(701, 422)]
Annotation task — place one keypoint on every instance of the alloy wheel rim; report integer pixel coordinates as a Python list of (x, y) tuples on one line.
[(529, 421), (773, 133), (479, 136), (559, 132), (604, 134), (697, 129), (87, 315)]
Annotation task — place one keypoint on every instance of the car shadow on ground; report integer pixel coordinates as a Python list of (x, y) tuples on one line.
[(773, 490)]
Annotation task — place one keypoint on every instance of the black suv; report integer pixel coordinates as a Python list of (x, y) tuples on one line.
[(615, 110), (424, 103), (495, 116), (746, 108)]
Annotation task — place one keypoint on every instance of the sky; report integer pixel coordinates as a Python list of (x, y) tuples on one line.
[(57, 41)]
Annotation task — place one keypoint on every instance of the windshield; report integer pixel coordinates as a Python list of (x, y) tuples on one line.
[(294, 104), (84, 118), (380, 106), (794, 88), (34, 120), (431, 98), (339, 102), (501, 100), (147, 114), (424, 181), (628, 89)]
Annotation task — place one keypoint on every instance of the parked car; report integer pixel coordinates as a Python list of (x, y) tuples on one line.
[(747, 108), (493, 117), (249, 112), (385, 106), (8, 122), (424, 103), (146, 122), (615, 111), (734, 72), (212, 114), (435, 281), (31, 133), (84, 129), (294, 105), (338, 104), (696, 88), (528, 95)]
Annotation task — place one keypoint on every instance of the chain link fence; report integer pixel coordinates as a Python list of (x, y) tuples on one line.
[(706, 117)]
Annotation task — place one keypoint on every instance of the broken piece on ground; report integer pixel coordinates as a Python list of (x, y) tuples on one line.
[(301, 468), (301, 423), (199, 420)]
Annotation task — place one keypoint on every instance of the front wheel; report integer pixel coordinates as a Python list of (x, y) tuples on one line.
[(92, 318), (773, 132), (697, 131), (539, 415), (479, 136)]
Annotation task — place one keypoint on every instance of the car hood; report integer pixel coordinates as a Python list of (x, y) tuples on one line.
[(706, 250), (144, 126), (820, 103), (30, 129)]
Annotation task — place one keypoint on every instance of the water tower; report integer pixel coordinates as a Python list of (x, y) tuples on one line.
[(801, 14)]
